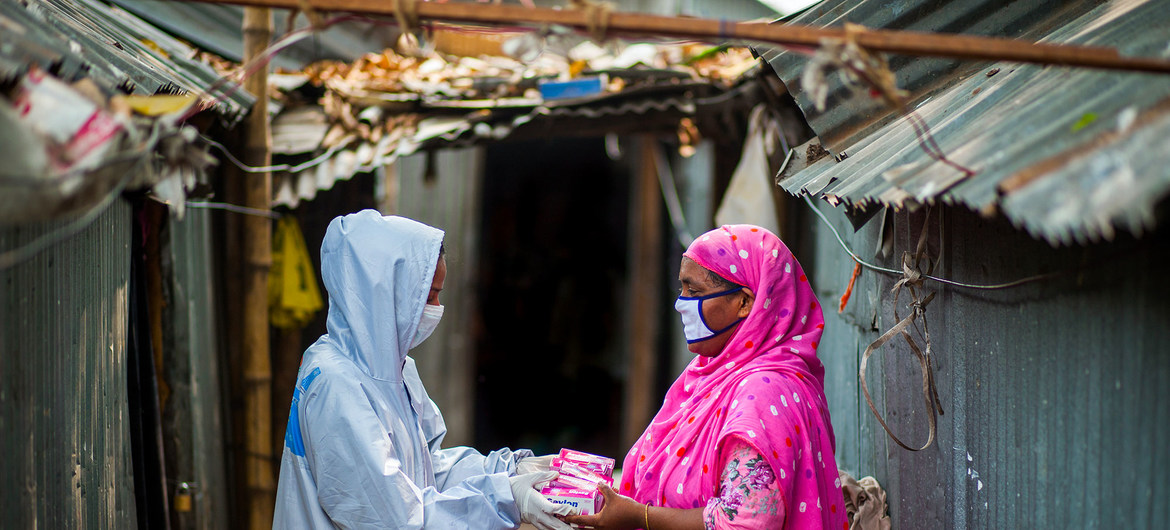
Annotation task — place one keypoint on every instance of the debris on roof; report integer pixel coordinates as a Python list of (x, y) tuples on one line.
[(119, 52), (93, 105), (368, 112)]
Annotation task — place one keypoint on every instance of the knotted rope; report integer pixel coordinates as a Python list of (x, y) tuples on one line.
[(406, 12), (912, 279)]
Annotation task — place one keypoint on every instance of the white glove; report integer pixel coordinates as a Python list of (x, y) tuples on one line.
[(534, 508), (534, 464)]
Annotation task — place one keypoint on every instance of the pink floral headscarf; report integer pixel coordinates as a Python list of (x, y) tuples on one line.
[(766, 387)]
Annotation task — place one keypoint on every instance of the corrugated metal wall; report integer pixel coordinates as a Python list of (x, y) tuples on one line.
[(1056, 394), (449, 199), (196, 431), (64, 433)]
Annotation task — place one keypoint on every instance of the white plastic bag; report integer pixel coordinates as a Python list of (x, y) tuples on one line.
[(749, 196)]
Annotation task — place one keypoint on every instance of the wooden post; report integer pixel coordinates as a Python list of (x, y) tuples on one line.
[(645, 244), (257, 251)]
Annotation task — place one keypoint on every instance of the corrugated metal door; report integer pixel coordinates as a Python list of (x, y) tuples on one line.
[(191, 366)]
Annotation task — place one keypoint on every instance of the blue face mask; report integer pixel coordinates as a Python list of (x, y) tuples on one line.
[(694, 325)]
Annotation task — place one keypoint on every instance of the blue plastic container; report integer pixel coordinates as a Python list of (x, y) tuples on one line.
[(577, 88)]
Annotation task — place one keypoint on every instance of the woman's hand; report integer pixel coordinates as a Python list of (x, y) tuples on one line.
[(618, 513)]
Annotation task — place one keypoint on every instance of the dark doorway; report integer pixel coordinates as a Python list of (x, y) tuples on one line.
[(552, 297)]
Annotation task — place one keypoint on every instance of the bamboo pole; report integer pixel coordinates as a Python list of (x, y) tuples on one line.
[(257, 251), (967, 47)]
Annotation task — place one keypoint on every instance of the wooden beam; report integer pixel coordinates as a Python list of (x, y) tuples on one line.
[(645, 251), (967, 47)]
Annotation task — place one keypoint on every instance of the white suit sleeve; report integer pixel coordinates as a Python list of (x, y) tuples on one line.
[(358, 475), (456, 464)]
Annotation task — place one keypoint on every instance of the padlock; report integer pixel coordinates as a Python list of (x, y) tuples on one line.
[(183, 498)]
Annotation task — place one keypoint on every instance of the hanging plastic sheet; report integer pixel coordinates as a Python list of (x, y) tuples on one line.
[(749, 196), (293, 297)]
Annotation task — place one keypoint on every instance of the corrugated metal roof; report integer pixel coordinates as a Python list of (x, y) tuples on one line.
[(290, 188), (120, 52), (849, 115), (1087, 141), (217, 29), (386, 105)]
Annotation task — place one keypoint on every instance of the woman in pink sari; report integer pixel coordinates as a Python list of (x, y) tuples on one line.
[(743, 439)]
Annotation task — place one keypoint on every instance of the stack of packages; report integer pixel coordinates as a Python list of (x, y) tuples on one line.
[(577, 484)]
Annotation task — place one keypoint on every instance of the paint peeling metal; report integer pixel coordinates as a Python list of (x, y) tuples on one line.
[(64, 417)]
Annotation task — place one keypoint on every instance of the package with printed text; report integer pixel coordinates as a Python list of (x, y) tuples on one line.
[(580, 473)]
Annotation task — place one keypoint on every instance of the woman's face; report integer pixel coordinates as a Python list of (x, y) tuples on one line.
[(437, 282), (718, 312)]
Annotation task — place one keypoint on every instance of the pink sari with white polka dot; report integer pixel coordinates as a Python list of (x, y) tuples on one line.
[(766, 386)]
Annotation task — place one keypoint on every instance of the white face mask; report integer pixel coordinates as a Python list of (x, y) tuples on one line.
[(694, 325), (431, 316)]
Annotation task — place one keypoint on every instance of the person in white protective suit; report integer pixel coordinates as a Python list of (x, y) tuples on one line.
[(362, 447)]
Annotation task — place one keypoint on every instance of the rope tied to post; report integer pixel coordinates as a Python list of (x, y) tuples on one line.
[(314, 18), (406, 15), (406, 12), (596, 17), (912, 280)]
